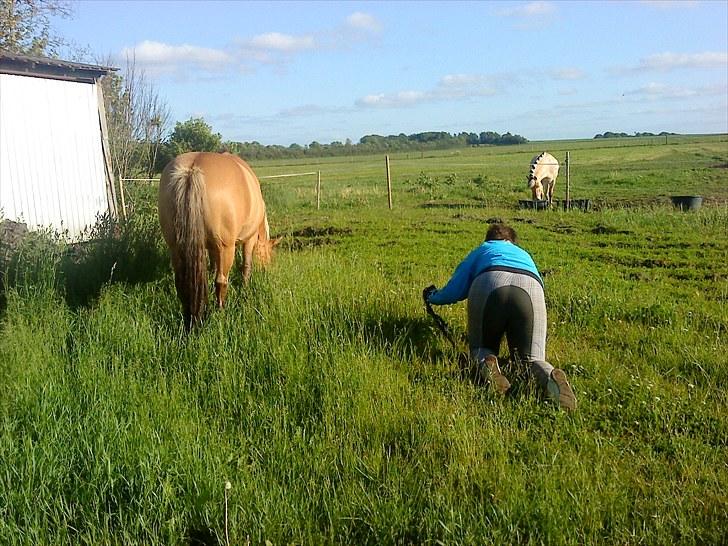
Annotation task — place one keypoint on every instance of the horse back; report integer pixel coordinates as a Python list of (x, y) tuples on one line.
[(234, 203), (544, 166)]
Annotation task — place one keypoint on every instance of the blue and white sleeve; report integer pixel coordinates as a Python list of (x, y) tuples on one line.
[(458, 286)]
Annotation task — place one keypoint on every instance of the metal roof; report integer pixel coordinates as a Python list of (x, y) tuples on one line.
[(45, 67)]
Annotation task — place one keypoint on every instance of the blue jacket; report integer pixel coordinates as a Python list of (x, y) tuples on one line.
[(502, 255)]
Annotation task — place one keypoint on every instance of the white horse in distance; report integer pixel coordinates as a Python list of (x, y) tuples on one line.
[(542, 176)]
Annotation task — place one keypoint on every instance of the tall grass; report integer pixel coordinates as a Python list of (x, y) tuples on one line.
[(334, 408)]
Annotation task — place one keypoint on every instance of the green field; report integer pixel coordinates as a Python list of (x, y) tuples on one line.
[(328, 399)]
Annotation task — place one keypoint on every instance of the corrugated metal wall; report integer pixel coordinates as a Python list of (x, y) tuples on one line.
[(51, 159)]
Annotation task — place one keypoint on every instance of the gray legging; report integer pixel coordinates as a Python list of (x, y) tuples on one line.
[(510, 303)]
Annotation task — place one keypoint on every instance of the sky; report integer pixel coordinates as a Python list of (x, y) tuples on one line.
[(296, 72)]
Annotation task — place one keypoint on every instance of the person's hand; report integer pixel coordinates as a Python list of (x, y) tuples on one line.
[(427, 292)]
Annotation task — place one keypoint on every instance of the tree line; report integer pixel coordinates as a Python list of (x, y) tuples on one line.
[(610, 134), (196, 134)]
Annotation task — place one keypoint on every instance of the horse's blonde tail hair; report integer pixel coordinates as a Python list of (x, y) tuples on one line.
[(263, 247), (189, 194)]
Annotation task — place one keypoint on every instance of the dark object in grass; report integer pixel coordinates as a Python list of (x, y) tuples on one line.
[(12, 234), (687, 202), (533, 205), (441, 324), (465, 365)]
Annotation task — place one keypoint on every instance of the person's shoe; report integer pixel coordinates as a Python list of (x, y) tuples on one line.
[(492, 372), (559, 390)]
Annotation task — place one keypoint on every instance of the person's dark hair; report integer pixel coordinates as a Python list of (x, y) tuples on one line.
[(501, 232)]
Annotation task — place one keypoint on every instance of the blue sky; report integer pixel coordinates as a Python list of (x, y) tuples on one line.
[(285, 72)]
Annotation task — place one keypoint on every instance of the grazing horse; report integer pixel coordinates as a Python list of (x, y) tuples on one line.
[(543, 173), (210, 201)]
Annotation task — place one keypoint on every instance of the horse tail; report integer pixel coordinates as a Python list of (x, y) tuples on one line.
[(189, 193), (264, 245)]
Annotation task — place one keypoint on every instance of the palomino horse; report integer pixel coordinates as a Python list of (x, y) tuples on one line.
[(209, 201), (544, 170)]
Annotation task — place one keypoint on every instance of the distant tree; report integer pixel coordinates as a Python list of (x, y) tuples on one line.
[(25, 26), (193, 135), (489, 137), (508, 138), (610, 134), (371, 140)]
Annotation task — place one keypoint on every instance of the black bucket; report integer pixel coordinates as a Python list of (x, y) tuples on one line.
[(533, 205), (687, 202), (577, 204)]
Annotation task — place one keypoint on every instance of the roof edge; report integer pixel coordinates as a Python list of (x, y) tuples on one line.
[(46, 67)]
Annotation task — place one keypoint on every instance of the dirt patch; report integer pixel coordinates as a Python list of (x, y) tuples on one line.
[(714, 200), (311, 237), (320, 232), (467, 217), (564, 229), (635, 262), (613, 244), (444, 205), (651, 263), (609, 230), (649, 202)]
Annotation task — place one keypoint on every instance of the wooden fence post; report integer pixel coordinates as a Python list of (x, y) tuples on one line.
[(123, 201), (318, 191), (389, 182), (568, 182)]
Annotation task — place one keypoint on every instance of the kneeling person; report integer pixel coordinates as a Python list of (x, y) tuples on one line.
[(505, 296)]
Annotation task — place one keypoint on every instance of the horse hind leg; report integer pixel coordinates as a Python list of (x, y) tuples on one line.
[(223, 258), (248, 247)]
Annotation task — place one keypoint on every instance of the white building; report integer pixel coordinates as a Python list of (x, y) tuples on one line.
[(55, 169)]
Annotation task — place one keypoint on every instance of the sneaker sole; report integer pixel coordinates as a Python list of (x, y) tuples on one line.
[(497, 379), (565, 397)]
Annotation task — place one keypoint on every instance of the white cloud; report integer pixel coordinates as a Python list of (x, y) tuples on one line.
[(364, 21), (158, 57), (654, 90), (670, 61), (670, 4), (269, 48), (458, 86), (529, 10), (308, 110), (450, 87), (665, 62), (567, 74), (461, 80), (530, 16), (661, 90), (394, 100), (275, 41)]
